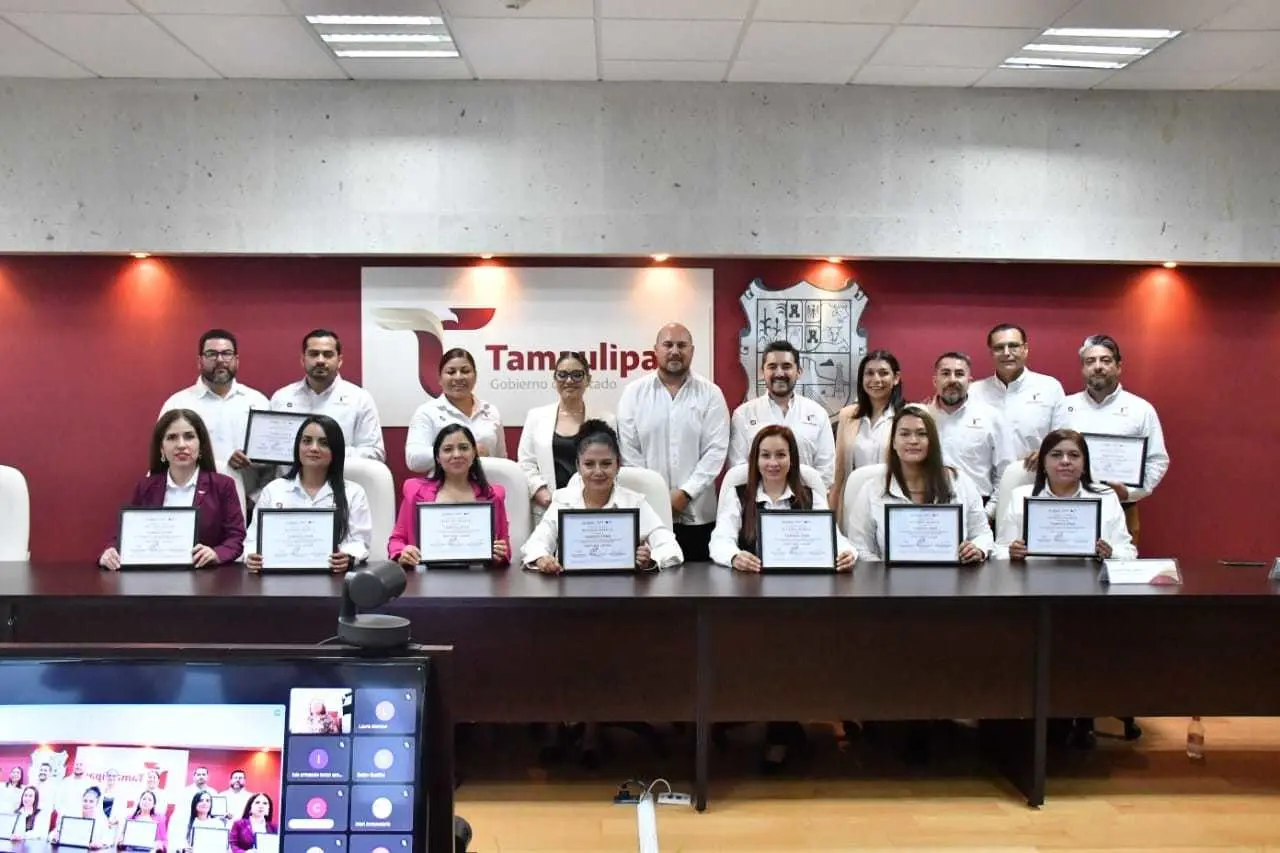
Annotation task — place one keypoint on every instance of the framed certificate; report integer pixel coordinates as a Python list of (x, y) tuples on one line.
[(139, 834), (157, 536), (294, 540), (455, 534), (267, 842), (75, 831), (797, 540), (922, 534), (1117, 458), (598, 540), (270, 436), (1062, 527), (8, 825), (209, 839)]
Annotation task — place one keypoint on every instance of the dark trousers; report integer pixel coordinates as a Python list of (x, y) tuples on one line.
[(695, 541)]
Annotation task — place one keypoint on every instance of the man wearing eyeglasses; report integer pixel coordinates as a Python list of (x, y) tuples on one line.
[(1024, 397)]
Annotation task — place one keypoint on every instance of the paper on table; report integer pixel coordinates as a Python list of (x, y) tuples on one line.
[(1155, 571)]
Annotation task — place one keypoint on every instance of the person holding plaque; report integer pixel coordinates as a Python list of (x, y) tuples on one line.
[(916, 475), (458, 404), (256, 820), (100, 833), (182, 474), (862, 430), (1062, 471), (32, 822), (456, 477), (200, 817), (148, 809), (773, 484), (316, 481), (598, 459)]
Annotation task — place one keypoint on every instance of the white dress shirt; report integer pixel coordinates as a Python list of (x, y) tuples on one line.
[(348, 404), (434, 415), (1026, 403), (684, 438), (288, 493), (1121, 413), (1115, 532), (534, 452), (227, 418), (175, 495), (10, 798), (808, 419), (40, 827), (724, 539), (866, 531), (976, 441), (663, 547), (871, 441), (236, 802)]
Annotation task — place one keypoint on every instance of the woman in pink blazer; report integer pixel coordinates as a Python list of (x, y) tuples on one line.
[(259, 817), (456, 478), (183, 474)]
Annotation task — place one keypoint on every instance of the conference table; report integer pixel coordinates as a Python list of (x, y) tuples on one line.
[(1002, 641)]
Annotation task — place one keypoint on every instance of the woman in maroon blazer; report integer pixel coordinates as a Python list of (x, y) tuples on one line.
[(259, 818), (183, 474)]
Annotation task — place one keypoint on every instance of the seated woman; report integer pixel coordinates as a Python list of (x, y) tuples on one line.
[(1062, 471), (182, 473), (101, 834), (148, 809), (316, 481), (32, 823), (916, 475), (456, 477), (774, 483), (257, 819), (200, 817), (598, 458)]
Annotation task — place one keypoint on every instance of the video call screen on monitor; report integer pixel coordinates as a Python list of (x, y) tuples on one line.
[(329, 750)]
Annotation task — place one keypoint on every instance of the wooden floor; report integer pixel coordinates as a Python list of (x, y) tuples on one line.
[(1121, 797)]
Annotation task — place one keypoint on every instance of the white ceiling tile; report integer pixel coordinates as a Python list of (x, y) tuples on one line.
[(106, 7), (802, 70), (891, 75), (843, 45), (115, 45), (1133, 78), (23, 56), (1213, 51), (1169, 14), (542, 9), (669, 40), (958, 47), (262, 47), (1039, 14), (1248, 15), (532, 49), (834, 11), (700, 72), (1047, 78), (212, 7), (406, 69), (721, 10)]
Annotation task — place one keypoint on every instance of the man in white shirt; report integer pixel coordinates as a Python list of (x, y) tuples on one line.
[(677, 423), (1025, 398), (808, 419), (1106, 408), (71, 789), (325, 392), (975, 439), (237, 795)]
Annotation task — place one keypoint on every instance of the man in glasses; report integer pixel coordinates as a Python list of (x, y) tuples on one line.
[(1024, 397)]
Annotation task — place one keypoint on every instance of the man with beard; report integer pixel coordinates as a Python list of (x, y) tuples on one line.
[(325, 392), (676, 423), (237, 794), (1104, 407), (1024, 397), (807, 419), (975, 439)]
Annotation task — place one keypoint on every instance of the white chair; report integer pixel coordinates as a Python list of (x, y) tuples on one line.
[(380, 488), (15, 515), (1014, 475), (509, 475), (652, 485), (853, 484), (237, 478)]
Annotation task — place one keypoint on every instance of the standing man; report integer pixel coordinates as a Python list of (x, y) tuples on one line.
[(808, 419), (1025, 398), (324, 392), (237, 794), (975, 439), (71, 789), (676, 423), (181, 817), (1104, 407)]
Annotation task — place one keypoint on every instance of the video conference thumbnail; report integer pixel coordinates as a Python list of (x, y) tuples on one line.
[(382, 807), (320, 711), (383, 759), (319, 759), (386, 711), (315, 844), (318, 808), (381, 843)]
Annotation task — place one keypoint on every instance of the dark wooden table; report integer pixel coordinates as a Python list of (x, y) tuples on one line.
[(703, 644)]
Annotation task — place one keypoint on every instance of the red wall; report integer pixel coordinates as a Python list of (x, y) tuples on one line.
[(91, 346)]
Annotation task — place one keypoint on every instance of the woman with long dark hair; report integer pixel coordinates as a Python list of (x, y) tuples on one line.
[(31, 823), (317, 481), (863, 429)]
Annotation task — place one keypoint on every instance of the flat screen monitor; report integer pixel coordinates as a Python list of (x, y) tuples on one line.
[(330, 746)]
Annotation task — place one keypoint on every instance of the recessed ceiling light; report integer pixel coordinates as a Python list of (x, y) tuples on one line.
[(142, 256), (1083, 47), (1095, 49), (834, 260), (662, 258), (396, 54), (1105, 33), (487, 256), (369, 38), (1048, 62), (1170, 265), (376, 20)]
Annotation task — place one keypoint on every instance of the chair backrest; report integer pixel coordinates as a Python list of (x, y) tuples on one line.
[(375, 478), (1016, 474), (652, 485), (15, 515), (224, 467), (509, 475), (853, 484)]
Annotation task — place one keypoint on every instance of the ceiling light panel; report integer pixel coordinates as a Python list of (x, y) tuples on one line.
[(1083, 47), (419, 37)]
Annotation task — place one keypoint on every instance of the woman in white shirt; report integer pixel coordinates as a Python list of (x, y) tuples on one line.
[(201, 817), (774, 483), (916, 475), (32, 822), (316, 481), (1062, 471), (11, 790), (457, 404), (100, 833), (598, 459), (862, 430), (548, 452)]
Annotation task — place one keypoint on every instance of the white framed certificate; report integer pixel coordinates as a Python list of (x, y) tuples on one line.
[(1062, 527), (455, 534), (266, 842), (1117, 458), (1154, 572), (923, 533), (297, 540), (270, 436), (209, 839), (75, 831), (596, 540), (8, 825), (218, 806), (139, 834), (157, 536), (797, 540)]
